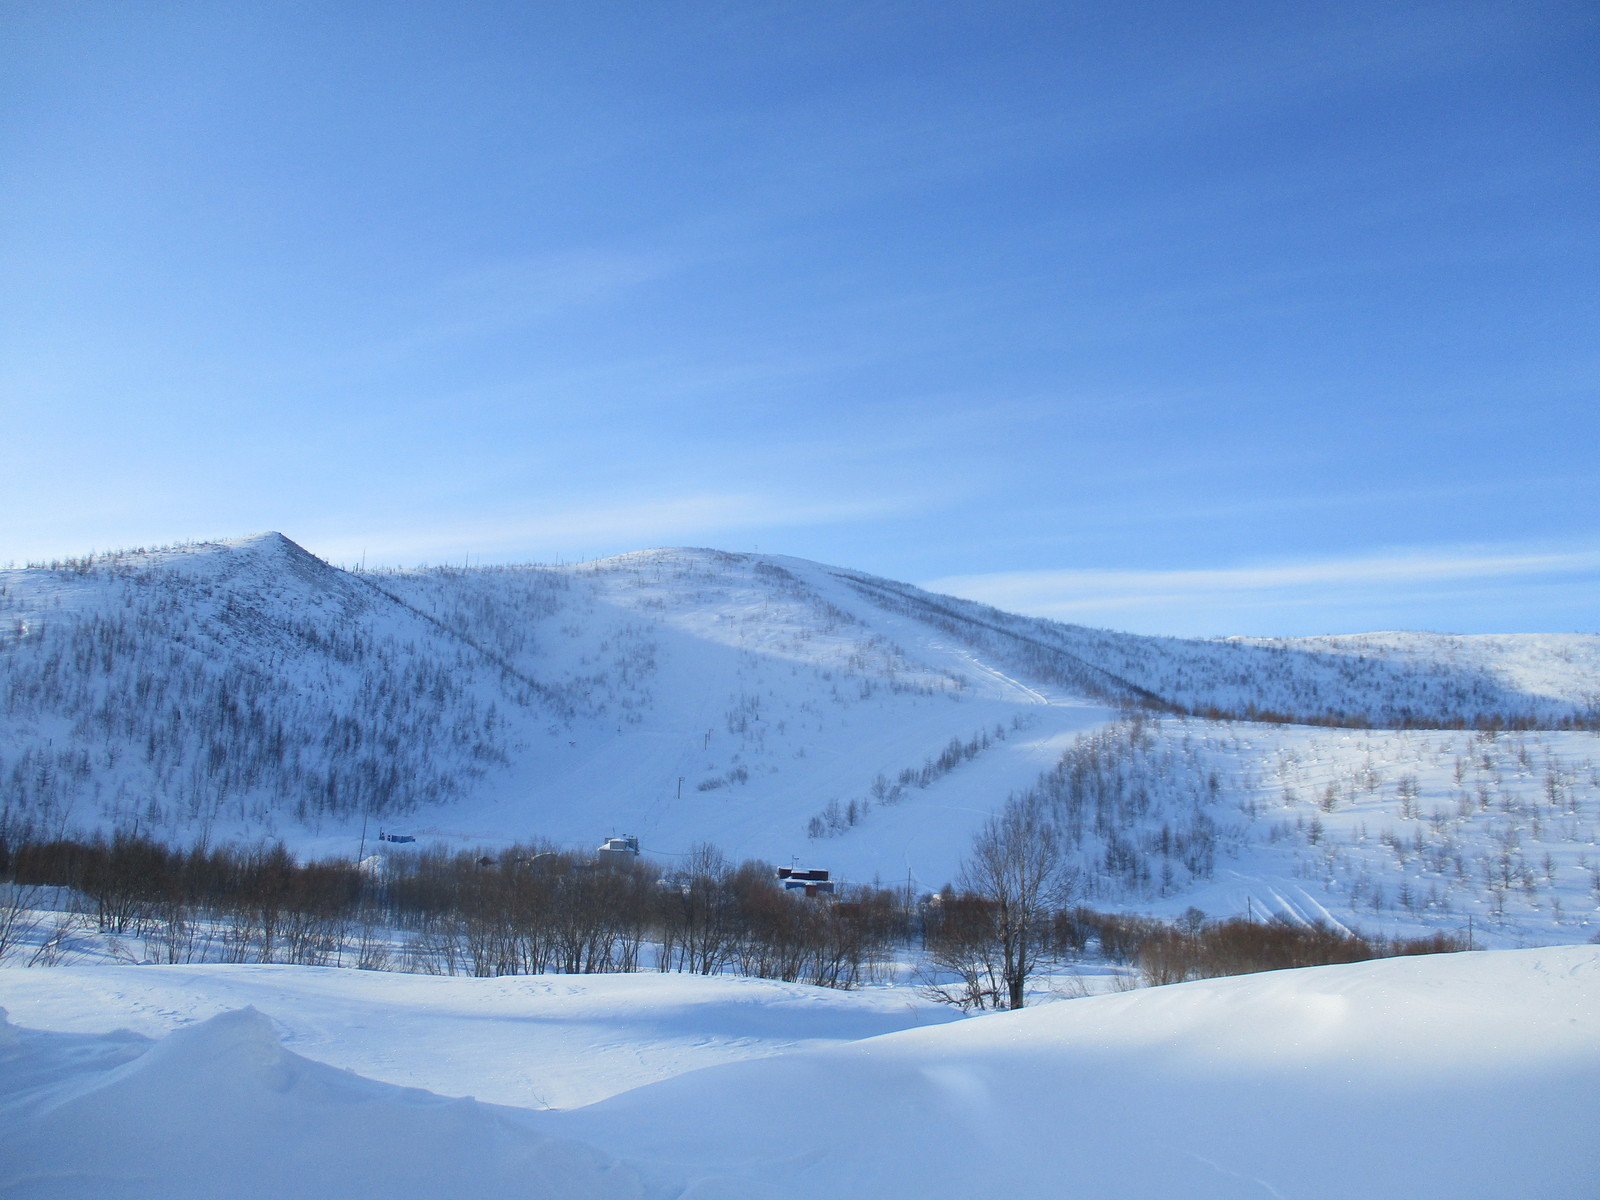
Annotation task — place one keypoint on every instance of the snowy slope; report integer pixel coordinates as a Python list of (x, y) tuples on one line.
[(1420, 681), (551, 1041), (1459, 1076), (1418, 830), (683, 696), (231, 686), (734, 699), (221, 1109), (1561, 666), (1450, 1076), (776, 707), (1481, 836)]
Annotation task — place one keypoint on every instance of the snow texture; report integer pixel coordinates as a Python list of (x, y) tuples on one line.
[(550, 1041), (1460, 1076)]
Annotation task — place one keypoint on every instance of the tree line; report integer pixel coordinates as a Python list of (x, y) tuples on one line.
[(524, 910), (532, 909)]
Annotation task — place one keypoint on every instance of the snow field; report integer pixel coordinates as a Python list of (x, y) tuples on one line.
[(221, 1109), (545, 1041), (1450, 1076)]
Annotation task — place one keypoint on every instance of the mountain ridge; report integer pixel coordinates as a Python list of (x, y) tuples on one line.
[(774, 706)]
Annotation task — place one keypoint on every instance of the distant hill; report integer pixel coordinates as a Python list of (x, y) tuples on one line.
[(773, 706)]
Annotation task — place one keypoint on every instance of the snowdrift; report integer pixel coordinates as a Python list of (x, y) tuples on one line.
[(542, 1041), (221, 1109), (1470, 1075)]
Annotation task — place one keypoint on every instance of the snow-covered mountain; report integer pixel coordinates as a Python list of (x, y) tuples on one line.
[(234, 685), (790, 710)]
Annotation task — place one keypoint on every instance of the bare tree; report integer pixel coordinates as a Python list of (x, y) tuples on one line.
[(958, 931), (699, 930), (19, 918), (1018, 866)]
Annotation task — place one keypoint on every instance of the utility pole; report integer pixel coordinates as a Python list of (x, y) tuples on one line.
[(680, 787), (1249, 910)]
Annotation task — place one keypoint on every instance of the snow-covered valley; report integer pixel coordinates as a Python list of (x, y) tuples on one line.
[(470, 736)]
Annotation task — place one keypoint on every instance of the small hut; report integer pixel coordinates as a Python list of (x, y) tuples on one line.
[(814, 882)]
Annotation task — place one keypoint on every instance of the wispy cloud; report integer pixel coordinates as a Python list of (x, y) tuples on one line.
[(484, 299), (513, 291), (1072, 594), (633, 525)]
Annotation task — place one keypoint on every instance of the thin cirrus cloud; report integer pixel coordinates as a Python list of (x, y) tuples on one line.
[(1068, 593), (603, 529), (489, 298)]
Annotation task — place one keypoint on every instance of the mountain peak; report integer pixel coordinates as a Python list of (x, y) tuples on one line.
[(277, 550), (269, 542)]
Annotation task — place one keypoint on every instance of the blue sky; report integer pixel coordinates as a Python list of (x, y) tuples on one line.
[(1267, 318)]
